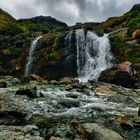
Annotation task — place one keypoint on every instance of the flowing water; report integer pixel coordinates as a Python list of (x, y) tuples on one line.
[(93, 55), (58, 102), (28, 66)]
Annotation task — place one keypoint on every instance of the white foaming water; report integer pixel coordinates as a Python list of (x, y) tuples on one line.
[(31, 58), (55, 104), (93, 55)]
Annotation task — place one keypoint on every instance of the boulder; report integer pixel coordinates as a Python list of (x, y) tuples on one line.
[(13, 110), (27, 92), (103, 89), (66, 80), (9, 81), (135, 71), (128, 122), (119, 75), (28, 132), (36, 92), (36, 77), (92, 131), (3, 84), (122, 99)]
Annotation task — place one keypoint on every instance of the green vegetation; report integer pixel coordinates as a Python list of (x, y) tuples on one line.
[(115, 22), (131, 20), (35, 27), (133, 55), (16, 37)]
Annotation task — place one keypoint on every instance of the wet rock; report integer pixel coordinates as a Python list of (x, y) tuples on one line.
[(81, 86), (128, 122), (28, 132), (119, 75), (36, 77), (3, 84), (122, 99), (10, 81), (139, 111), (68, 103), (32, 93), (72, 95), (103, 89), (67, 80), (68, 87), (92, 131), (13, 110), (54, 82), (125, 122), (65, 132), (27, 92), (135, 70)]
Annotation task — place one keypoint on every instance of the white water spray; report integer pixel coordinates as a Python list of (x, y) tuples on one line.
[(28, 66), (93, 55)]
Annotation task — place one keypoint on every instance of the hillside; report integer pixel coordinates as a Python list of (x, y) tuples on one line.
[(16, 37), (79, 82)]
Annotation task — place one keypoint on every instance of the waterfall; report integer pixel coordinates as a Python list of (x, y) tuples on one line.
[(93, 55), (28, 66)]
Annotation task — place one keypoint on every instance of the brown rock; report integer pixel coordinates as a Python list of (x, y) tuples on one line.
[(66, 80), (136, 34), (103, 89), (119, 75), (125, 66), (36, 77), (125, 122)]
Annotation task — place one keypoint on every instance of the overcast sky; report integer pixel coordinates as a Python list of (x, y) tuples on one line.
[(69, 11)]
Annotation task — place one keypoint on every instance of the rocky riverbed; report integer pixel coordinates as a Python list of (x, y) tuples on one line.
[(67, 110)]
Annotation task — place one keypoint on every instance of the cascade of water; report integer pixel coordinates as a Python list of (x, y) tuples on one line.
[(93, 55), (28, 66)]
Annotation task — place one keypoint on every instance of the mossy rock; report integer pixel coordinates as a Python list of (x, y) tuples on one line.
[(132, 55), (118, 77)]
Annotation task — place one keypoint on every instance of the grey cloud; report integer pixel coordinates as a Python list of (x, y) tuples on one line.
[(69, 11)]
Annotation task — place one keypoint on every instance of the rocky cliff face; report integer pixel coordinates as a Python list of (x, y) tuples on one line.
[(55, 58)]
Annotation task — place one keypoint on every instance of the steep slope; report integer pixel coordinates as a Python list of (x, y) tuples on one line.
[(130, 19), (54, 55), (16, 37), (47, 21), (8, 25), (125, 35)]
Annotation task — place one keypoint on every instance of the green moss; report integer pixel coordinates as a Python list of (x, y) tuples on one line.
[(11, 29), (6, 52), (56, 54), (35, 27), (113, 22), (133, 55), (133, 24)]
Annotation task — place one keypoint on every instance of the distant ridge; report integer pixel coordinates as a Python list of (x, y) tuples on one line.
[(45, 20)]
